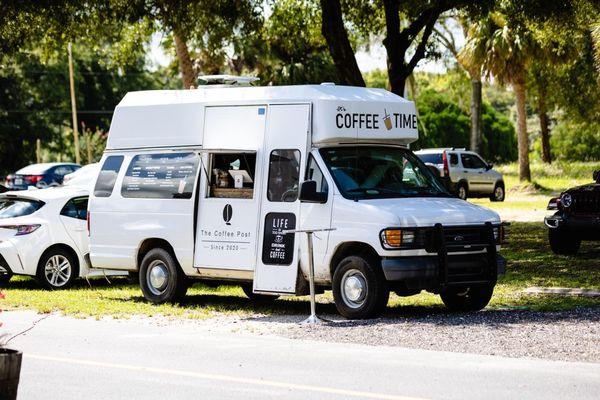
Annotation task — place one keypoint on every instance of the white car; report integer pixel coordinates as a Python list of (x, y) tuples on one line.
[(465, 173), (43, 234), (83, 177)]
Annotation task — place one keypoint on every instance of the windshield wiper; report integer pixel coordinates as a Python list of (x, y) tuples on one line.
[(366, 190)]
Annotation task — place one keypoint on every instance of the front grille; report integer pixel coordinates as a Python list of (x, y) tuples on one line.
[(586, 202), (459, 238)]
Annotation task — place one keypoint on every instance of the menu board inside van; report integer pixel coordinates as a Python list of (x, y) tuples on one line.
[(161, 176)]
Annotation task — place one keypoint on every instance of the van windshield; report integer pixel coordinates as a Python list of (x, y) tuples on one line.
[(370, 172)]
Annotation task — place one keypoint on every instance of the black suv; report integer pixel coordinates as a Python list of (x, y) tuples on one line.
[(577, 217)]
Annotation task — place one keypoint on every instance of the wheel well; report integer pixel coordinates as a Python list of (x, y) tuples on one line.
[(153, 243), (351, 249), (500, 182), (65, 247)]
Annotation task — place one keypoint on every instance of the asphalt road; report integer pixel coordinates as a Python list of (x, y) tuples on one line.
[(66, 358)]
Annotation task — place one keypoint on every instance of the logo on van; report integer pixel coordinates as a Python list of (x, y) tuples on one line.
[(227, 213)]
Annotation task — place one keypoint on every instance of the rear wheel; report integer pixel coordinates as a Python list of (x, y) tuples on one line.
[(57, 269), (498, 194), (563, 242), (161, 279), (247, 288), (461, 191), (5, 276), (359, 287), (473, 298)]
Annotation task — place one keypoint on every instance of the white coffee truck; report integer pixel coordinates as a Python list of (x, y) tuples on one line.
[(201, 184)]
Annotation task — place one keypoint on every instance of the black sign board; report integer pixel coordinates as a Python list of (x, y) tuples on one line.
[(278, 248)]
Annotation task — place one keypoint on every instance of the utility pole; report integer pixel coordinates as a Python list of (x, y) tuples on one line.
[(73, 107)]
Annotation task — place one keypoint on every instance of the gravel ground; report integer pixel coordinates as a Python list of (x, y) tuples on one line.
[(567, 336)]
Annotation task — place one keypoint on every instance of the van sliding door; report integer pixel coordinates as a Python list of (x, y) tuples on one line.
[(285, 153)]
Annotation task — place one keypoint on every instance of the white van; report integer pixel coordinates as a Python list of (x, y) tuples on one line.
[(200, 185)]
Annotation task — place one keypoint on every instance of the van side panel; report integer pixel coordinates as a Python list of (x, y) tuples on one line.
[(118, 225)]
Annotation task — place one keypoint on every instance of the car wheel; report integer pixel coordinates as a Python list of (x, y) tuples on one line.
[(498, 194), (57, 269), (247, 288), (461, 191), (473, 298), (359, 287), (563, 242), (161, 278)]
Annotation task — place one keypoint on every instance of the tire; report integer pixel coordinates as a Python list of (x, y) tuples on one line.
[(359, 287), (57, 269), (499, 192), (247, 288), (563, 242), (5, 277), (472, 298), (462, 191), (161, 278)]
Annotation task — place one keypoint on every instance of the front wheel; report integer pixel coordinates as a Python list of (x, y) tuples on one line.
[(161, 279), (5, 277), (563, 242), (57, 269), (473, 298), (359, 287), (499, 193)]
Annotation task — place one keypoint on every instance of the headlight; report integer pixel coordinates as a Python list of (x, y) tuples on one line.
[(566, 200), (396, 238)]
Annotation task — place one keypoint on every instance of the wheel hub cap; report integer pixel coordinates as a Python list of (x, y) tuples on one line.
[(57, 270), (354, 288), (158, 276)]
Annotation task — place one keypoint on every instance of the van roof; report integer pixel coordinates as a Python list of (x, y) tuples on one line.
[(166, 118)]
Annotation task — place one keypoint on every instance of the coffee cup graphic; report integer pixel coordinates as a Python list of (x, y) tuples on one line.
[(387, 120)]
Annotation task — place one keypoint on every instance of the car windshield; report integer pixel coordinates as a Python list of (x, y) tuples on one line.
[(368, 172), (11, 208)]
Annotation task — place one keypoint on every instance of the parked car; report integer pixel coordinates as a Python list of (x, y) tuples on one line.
[(577, 217), (464, 173), (83, 177), (43, 234), (40, 175)]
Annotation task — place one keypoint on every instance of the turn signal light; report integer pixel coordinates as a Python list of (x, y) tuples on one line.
[(396, 238), (22, 229)]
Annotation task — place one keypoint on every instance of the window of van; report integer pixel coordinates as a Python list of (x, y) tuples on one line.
[(108, 176), (232, 175), (284, 174), (161, 176), (314, 173)]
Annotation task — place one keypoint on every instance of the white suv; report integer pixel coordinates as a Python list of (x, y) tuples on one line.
[(464, 173)]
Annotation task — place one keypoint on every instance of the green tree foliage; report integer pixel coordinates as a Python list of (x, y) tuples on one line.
[(448, 125), (35, 100), (576, 141)]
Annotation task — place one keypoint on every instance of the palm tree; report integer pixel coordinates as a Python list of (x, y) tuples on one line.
[(503, 51), (596, 39)]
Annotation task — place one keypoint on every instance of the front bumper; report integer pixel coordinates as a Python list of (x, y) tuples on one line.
[(460, 269), (585, 227)]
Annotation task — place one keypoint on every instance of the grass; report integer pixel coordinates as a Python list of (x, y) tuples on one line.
[(530, 263)]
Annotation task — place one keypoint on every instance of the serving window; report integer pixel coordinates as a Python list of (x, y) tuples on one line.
[(232, 175)]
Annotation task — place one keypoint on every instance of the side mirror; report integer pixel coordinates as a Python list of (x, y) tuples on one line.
[(309, 194), (596, 176)]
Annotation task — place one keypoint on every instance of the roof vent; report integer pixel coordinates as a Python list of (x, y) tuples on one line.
[(327, 84), (227, 80)]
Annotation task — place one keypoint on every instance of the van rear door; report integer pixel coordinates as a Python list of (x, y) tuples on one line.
[(285, 153)]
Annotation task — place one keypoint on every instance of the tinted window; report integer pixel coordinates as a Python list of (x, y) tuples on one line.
[(76, 208), (434, 158), (10, 208), (471, 161), (161, 176), (453, 159), (314, 173), (284, 175), (108, 176)]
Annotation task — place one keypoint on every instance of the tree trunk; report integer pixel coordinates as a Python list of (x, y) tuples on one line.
[(186, 68), (522, 138), (332, 28), (476, 126), (544, 126)]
